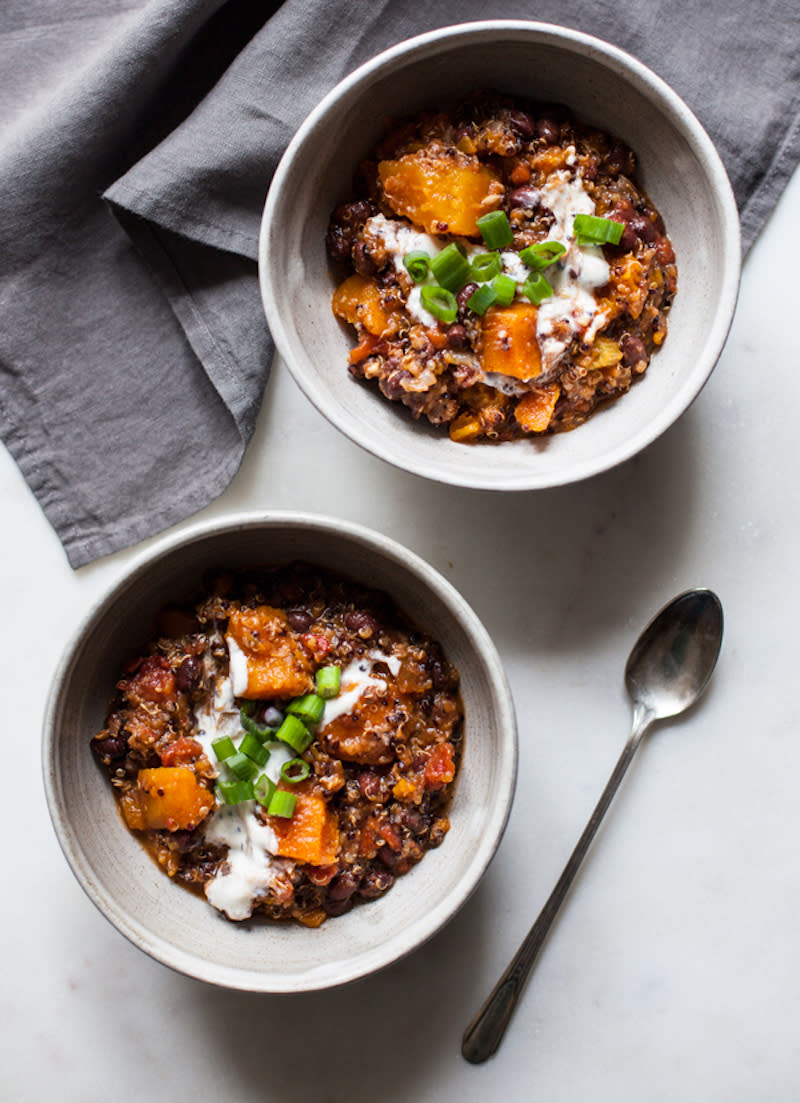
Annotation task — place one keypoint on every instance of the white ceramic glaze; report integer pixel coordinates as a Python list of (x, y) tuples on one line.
[(602, 85), (182, 930)]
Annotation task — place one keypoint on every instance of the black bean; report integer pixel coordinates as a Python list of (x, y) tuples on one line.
[(344, 885), (548, 130), (362, 623), (375, 883), (522, 123), (299, 619), (114, 747)]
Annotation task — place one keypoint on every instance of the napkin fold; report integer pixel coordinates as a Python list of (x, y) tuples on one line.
[(137, 141)]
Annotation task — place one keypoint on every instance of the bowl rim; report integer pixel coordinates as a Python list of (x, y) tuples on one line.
[(685, 121), (415, 933)]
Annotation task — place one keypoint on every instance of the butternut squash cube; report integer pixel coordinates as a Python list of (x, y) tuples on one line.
[(510, 345), (277, 665), (168, 797), (443, 194), (311, 835), (358, 299), (534, 411)]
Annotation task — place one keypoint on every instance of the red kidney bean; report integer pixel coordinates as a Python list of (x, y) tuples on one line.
[(643, 228), (114, 747), (526, 197), (464, 294), (362, 261), (187, 673), (457, 337), (633, 349), (370, 785)]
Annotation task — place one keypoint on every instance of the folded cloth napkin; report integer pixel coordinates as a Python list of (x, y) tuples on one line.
[(137, 142)]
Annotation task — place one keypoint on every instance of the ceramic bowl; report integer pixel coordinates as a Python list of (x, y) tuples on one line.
[(181, 929), (679, 168)]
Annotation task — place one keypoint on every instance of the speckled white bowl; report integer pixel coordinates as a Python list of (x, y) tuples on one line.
[(181, 929), (679, 167)]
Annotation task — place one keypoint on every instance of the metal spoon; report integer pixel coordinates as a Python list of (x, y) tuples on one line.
[(666, 672)]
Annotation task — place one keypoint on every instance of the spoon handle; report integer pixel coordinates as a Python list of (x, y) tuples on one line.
[(484, 1034)]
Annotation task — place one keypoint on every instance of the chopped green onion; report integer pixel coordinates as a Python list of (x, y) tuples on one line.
[(296, 769), (495, 229), (328, 680), (440, 302), (418, 265), (282, 804), (537, 288), (485, 265), (481, 299), (294, 732), (450, 268), (308, 708), (260, 731), (223, 747), (244, 767), (505, 288), (263, 789), (541, 254), (591, 230), (234, 792), (254, 749)]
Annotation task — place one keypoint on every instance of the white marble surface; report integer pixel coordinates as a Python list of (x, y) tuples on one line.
[(674, 971)]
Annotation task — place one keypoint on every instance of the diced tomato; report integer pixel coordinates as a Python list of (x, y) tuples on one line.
[(180, 752), (441, 768)]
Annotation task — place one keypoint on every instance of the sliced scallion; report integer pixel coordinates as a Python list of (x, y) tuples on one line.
[(505, 288), (282, 804), (481, 299), (234, 792), (223, 747), (440, 302), (244, 767), (328, 681), (417, 264), (263, 789), (296, 769), (537, 288), (450, 268), (294, 732), (260, 731), (541, 254), (591, 230), (496, 229), (254, 749), (309, 708), (485, 266)]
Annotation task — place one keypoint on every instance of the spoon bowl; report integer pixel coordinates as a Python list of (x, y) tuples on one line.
[(666, 672)]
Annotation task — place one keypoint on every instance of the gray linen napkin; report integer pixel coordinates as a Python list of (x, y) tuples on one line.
[(133, 351)]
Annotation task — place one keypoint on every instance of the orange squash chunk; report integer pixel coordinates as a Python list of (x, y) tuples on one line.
[(311, 835), (277, 663), (358, 300), (168, 797), (510, 346), (445, 195), (534, 410)]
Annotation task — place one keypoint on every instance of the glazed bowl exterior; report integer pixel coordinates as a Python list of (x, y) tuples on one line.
[(678, 166), (180, 928)]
